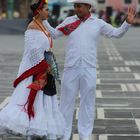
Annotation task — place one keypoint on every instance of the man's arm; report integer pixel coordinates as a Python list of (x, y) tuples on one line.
[(110, 31), (53, 31)]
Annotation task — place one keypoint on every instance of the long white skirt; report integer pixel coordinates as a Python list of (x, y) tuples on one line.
[(48, 120)]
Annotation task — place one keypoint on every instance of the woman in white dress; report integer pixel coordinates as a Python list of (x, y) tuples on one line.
[(33, 108)]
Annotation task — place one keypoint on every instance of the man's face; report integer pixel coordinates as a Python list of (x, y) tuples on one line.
[(81, 9)]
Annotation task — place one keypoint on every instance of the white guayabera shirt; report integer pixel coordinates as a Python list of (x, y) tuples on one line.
[(82, 43)]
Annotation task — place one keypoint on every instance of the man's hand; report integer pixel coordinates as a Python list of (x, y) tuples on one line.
[(130, 15)]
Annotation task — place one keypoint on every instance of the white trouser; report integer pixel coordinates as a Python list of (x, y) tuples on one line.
[(78, 80)]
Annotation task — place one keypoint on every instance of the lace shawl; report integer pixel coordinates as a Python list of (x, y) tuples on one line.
[(36, 43)]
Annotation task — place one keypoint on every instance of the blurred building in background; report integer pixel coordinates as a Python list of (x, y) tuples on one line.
[(15, 15), (14, 8), (20, 8), (118, 5)]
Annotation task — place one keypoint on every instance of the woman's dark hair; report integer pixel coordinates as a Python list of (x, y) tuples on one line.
[(36, 6)]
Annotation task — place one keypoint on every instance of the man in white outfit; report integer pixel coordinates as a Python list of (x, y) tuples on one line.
[(83, 32)]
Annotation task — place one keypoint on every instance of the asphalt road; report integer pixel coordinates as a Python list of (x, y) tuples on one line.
[(118, 83)]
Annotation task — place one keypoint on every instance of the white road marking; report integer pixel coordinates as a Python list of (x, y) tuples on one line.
[(5, 102)]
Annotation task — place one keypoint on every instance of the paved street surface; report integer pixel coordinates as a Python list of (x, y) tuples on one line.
[(118, 84)]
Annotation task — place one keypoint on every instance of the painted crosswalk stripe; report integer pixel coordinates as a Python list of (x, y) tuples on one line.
[(138, 87), (124, 88), (128, 69), (5, 102), (131, 87), (138, 123), (132, 63), (98, 81), (75, 137), (77, 113), (120, 135), (100, 113), (122, 69), (137, 76), (116, 69), (103, 137), (98, 94)]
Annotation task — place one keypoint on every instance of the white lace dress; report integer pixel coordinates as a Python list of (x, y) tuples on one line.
[(48, 120)]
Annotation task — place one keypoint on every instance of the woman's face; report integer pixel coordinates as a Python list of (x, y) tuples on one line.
[(44, 12)]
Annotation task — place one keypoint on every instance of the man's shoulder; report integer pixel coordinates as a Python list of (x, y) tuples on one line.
[(99, 21), (71, 18)]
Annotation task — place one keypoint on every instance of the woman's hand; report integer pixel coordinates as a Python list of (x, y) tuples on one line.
[(130, 15)]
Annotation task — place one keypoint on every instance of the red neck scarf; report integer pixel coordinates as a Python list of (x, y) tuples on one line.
[(67, 29)]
